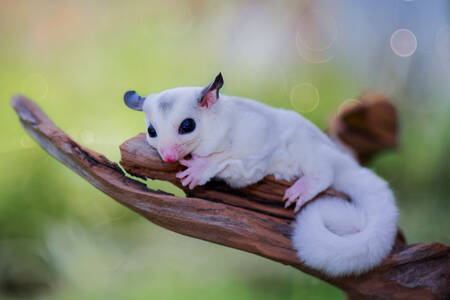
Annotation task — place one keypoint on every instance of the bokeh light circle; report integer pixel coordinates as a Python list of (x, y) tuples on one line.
[(315, 57), (87, 137), (403, 42), (346, 104), (318, 32), (26, 142), (304, 97)]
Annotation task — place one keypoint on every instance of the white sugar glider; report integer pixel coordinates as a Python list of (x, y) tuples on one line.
[(241, 141)]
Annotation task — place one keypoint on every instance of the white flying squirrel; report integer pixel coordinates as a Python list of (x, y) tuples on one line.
[(241, 141)]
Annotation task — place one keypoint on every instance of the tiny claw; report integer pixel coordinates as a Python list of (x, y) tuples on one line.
[(185, 181), (287, 204), (193, 184), (298, 206), (291, 200), (182, 174)]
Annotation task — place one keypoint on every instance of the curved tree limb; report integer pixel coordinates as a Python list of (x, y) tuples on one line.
[(251, 219)]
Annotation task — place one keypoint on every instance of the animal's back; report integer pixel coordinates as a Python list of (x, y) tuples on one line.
[(269, 141)]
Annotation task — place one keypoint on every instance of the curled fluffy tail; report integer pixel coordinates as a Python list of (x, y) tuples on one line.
[(342, 238)]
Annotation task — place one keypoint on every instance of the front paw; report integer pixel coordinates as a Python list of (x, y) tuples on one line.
[(196, 172), (298, 193)]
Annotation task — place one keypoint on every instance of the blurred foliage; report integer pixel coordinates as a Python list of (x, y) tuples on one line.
[(60, 238)]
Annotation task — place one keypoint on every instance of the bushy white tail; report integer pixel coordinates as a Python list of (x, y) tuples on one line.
[(342, 238)]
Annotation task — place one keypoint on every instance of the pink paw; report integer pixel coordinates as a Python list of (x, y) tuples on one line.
[(195, 173), (296, 194)]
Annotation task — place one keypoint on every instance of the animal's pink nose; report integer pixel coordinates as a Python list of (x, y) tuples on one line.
[(169, 158), (171, 154)]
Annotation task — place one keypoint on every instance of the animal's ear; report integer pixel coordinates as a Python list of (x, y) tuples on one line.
[(210, 93), (133, 100)]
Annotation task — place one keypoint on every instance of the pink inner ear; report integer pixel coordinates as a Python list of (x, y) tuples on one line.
[(209, 99)]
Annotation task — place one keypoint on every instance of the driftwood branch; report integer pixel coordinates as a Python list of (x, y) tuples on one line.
[(250, 219)]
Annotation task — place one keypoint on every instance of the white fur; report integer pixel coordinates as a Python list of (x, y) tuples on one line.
[(342, 238), (242, 141)]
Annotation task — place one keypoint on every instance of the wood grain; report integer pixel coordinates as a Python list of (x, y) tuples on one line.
[(249, 219)]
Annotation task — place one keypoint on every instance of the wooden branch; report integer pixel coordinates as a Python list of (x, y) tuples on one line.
[(366, 128), (250, 219)]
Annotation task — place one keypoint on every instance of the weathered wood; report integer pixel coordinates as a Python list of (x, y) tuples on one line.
[(245, 219), (139, 159), (366, 127)]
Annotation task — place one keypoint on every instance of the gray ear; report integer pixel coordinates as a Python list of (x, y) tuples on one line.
[(133, 100), (210, 93)]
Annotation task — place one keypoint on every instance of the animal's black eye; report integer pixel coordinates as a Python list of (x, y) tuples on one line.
[(188, 125), (151, 131)]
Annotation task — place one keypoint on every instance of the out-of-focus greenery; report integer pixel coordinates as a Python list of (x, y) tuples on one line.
[(60, 238)]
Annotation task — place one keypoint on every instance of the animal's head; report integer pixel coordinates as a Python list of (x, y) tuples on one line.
[(174, 117)]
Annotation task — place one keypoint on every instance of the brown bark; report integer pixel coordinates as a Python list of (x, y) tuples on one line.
[(367, 127), (250, 219)]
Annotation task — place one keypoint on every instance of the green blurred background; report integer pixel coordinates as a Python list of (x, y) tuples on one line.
[(60, 238)]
